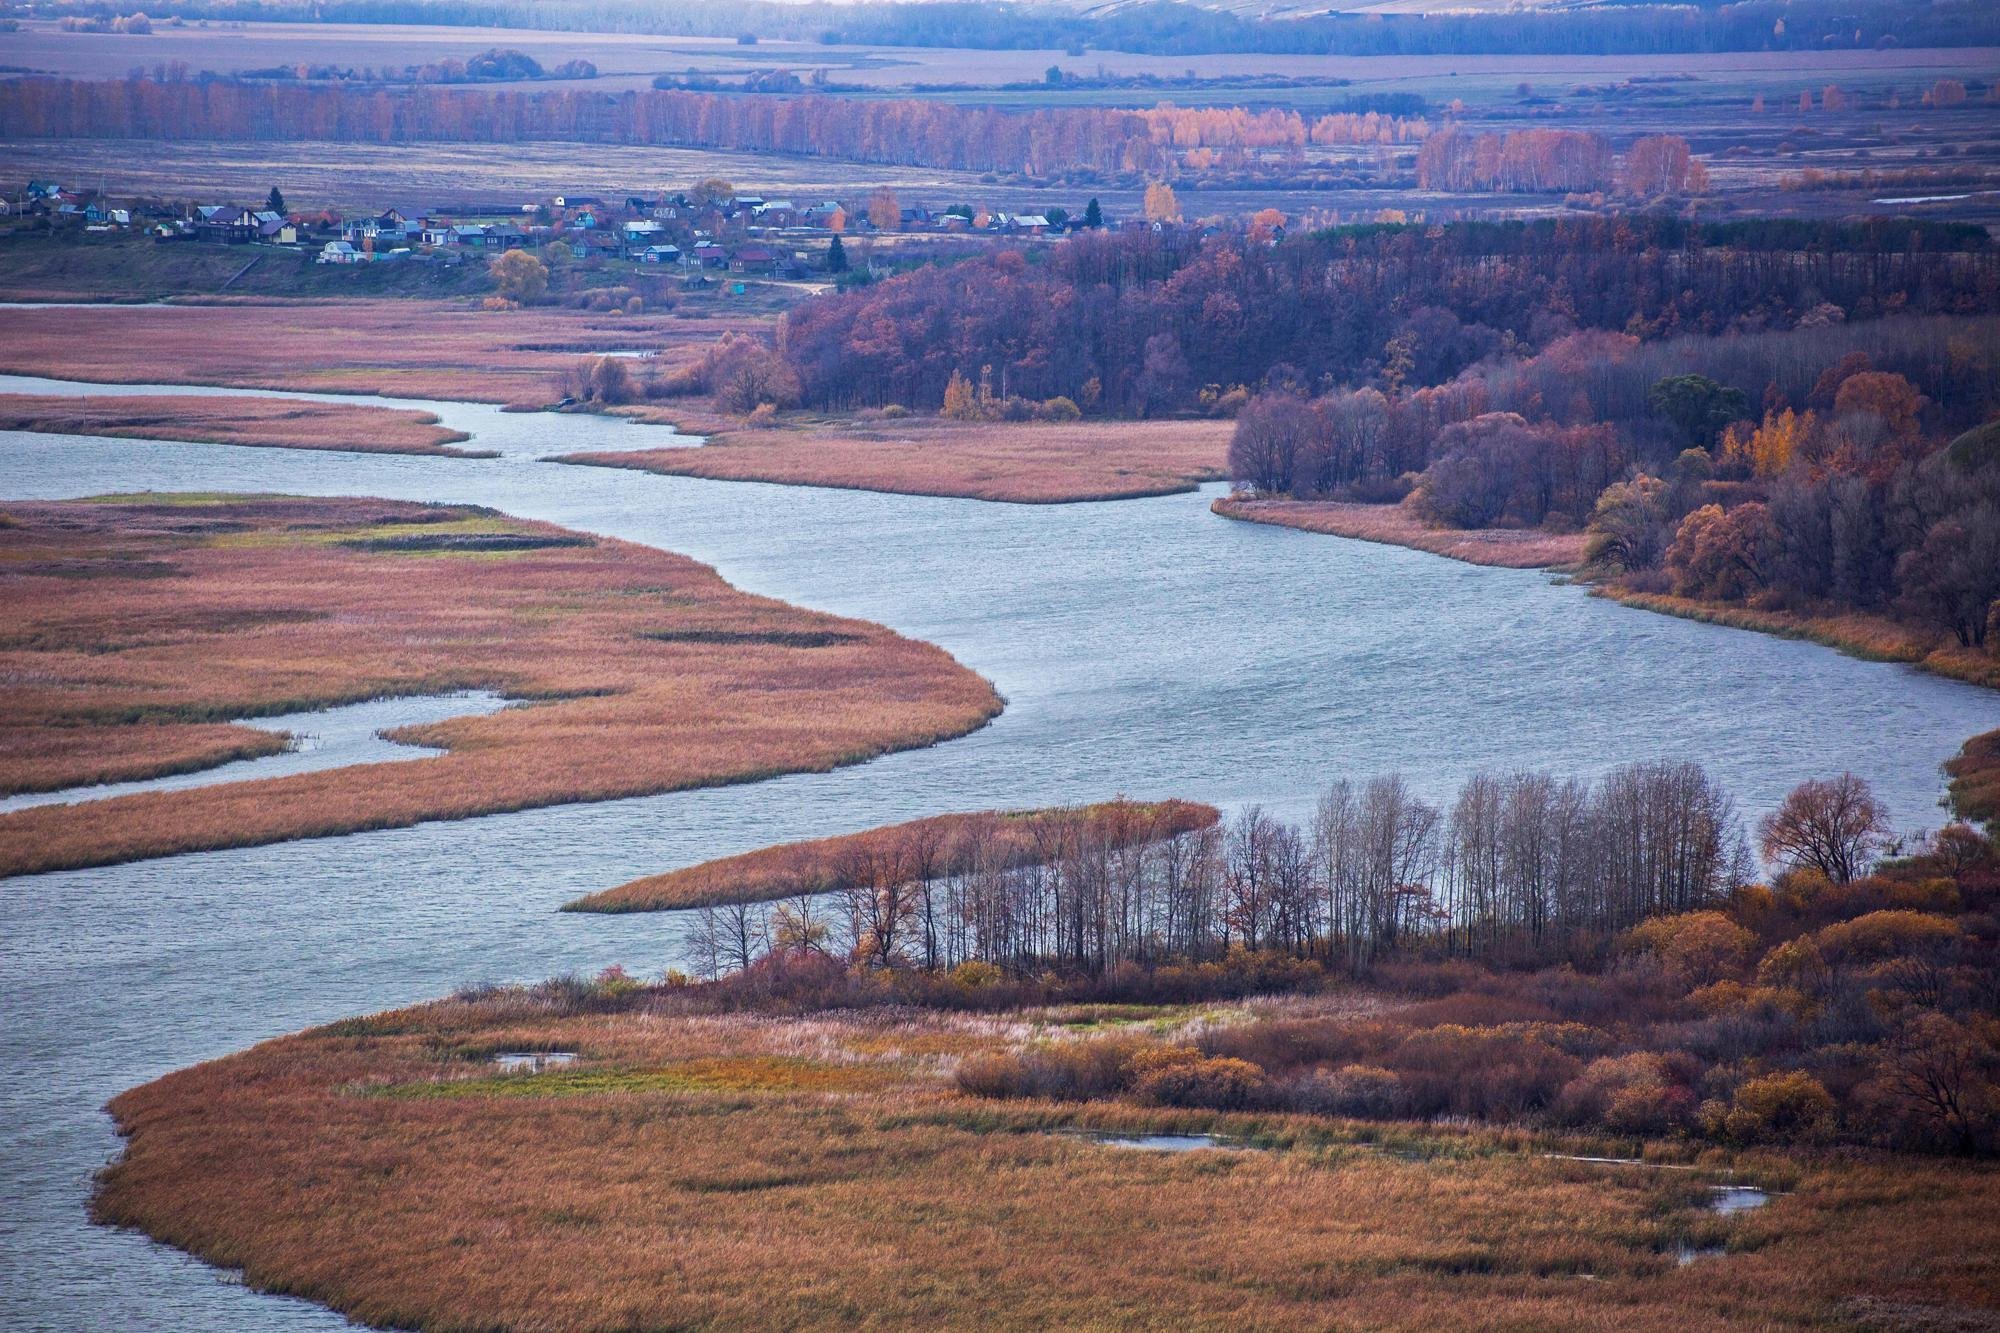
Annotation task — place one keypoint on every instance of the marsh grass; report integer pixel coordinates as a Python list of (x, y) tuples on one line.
[(1017, 462), (275, 423), (401, 348), (950, 843), (685, 1203), (274, 610)]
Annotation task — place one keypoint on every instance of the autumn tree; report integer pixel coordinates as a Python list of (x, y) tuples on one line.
[(1161, 205), (1834, 826), (884, 210), (520, 276), (958, 398), (713, 192)]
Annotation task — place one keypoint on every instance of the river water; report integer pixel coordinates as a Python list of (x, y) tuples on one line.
[(1144, 647)]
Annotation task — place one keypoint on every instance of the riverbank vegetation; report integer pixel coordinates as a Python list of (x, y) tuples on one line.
[(1025, 462), (276, 423), (915, 852), (1415, 1136), (1399, 525), (400, 348), (640, 671)]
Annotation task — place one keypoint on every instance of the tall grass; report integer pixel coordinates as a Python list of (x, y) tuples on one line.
[(1018, 462), (648, 673), (736, 1171), (272, 422)]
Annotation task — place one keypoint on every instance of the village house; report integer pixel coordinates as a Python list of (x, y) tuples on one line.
[(753, 259)]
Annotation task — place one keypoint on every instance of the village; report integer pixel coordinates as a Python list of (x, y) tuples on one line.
[(707, 233)]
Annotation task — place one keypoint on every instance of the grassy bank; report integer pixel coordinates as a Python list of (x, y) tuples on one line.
[(671, 1176), (647, 671), (1858, 634), (1393, 525), (939, 845), (1016, 462), (399, 348), (274, 423)]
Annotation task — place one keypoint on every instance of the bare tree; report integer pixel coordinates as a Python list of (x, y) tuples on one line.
[(1834, 826)]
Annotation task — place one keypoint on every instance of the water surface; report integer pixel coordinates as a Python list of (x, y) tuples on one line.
[(1144, 647)]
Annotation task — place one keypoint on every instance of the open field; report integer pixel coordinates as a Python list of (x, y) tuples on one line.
[(409, 348), (270, 422), (1020, 462), (941, 844), (1509, 548), (674, 1173), (645, 671), (629, 60)]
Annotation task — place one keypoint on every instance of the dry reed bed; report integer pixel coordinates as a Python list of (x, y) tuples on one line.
[(921, 848), (400, 348), (137, 625), (1017, 462), (678, 1173), (1395, 525), (1856, 633), (276, 423)]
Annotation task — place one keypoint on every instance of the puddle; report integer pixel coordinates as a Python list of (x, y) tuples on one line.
[(1169, 1142), (1732, 1199), (533, 1062), (1728, 1200), (321, 739)]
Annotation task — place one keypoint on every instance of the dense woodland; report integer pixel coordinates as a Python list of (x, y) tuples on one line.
[(1163, 27), (1166, 322)]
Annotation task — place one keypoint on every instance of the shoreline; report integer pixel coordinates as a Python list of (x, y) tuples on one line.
[(1391, 525)]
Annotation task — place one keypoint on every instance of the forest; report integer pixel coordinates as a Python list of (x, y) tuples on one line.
[(1167, 28), (1156, 323)]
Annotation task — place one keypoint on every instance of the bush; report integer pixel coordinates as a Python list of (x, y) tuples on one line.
[(1059, 409), (1632, 1094), (1215, 1083), (1698, 946), (1072, 1072), (1792, 1107), (1360, 1092)]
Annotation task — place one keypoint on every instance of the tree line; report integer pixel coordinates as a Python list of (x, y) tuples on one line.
[(1525, 863)]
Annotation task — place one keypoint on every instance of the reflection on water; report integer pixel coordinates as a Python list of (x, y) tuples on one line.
[(1144, 647), (321, 739)]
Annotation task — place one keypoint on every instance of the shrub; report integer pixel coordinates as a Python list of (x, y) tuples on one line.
[(1362, 1092), (1074, 1072), (975, 975), (1698, 946), (1217, 1083), (1792, 1107), (1486, 1072), (1632, 1094)]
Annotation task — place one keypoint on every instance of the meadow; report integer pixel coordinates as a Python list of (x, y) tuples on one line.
[(938, 845), (639, 671), (268, 422), (1018, 462), (676, 1170)]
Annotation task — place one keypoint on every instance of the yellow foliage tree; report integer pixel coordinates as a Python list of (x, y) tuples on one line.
[(1771, 447), (1161, 205), (958, 400)]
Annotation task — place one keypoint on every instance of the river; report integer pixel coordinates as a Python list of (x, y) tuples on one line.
[(1143, 646)]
